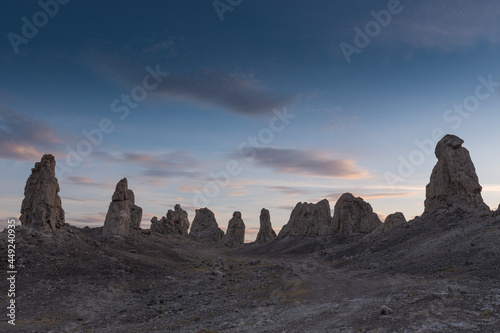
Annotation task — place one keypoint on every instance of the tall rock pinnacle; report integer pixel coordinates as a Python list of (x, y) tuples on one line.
[(123, 215), (42, 207), (453, 182)]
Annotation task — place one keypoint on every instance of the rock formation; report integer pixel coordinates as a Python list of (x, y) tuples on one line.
[(308, 219), (354, 215), (235, 233), (123, 215), (266, 232), (453, 182), (176, 222), (205, 227), (391, 221), (41, 207)]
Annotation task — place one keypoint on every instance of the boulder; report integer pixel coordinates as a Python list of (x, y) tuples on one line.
[(123, 215), (453, 182), (391, 221), (266, 232), (205, 227), (175, 222), (308, 219), (354, 215), (235, 233), (41, 207)]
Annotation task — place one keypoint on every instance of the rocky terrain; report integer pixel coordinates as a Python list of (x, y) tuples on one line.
[(349, 272)]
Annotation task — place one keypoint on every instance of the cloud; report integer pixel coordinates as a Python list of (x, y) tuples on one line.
[(236, 92), (301, 162), (75, 180), (333, 197), (22, 137), (167, 165), (288, 190), (446, 25)]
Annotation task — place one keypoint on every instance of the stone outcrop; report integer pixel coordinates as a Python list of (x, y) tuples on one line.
[(391, 221), (266, 232), (123, 215), (205, 227), (354, 215), (235, 233), (453, 181), (308, 219), (42, 208), (176, 222)]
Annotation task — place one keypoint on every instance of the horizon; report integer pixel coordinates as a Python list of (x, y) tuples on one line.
[(245, 106)]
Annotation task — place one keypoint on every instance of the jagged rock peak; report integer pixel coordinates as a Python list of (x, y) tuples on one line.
[(205, 227), (41, 207), (266, 232), (308, 219), (453, 182), (235, 233), (354, 215), (175, 222), (123, 217), (391, 221)]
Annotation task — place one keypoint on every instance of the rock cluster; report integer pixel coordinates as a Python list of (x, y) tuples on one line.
[(453, 182), (391, 221), (354, 215), (205, 227), (176, 222), (42, 208), (266, 232), (235, 233), (308, 219), (123, 215)]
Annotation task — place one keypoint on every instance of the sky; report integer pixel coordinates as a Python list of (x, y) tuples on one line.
[(239, 105)]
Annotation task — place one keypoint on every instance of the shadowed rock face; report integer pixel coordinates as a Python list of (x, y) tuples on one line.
[(308, 219), (205, 227), (266, 232), (42, 207), (454, 181), (354, 215), (391, 221), (176, 222), (123, 215), (235, 233)]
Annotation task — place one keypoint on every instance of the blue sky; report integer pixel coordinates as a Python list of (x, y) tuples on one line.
[(259, 109)]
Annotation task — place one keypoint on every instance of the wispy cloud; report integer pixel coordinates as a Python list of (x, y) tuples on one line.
[(302, 162), (236, 92), (288, 190), (23, 137), (446, 25), (75, 180), (333, 197), (167, 165)]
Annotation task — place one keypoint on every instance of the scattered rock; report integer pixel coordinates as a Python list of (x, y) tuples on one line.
[(205, 227), (453, 181), (354, 215), (176, 222), (266, 232), (385, 310), (235, 233), (123, 215), (308, 219), (42, 208), (391, 221)]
